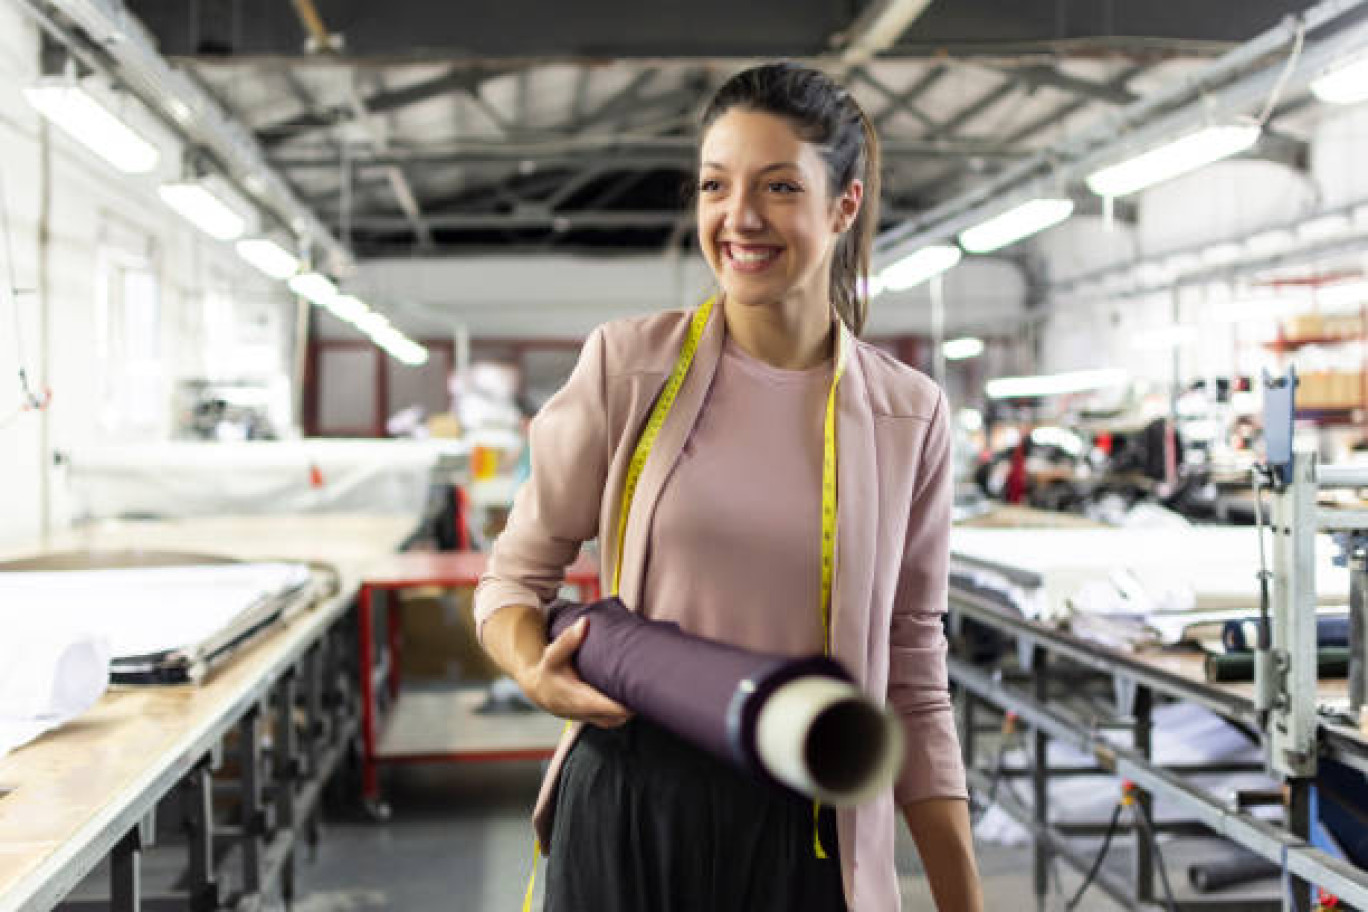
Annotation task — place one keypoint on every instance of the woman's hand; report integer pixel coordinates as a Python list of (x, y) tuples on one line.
[(554, 685), (515, 636)]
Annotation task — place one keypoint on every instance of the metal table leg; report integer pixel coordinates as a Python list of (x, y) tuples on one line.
[(126, 873), (1040, 783), (198, 796), (1144, 854)]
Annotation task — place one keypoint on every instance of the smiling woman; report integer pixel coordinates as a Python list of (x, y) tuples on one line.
[(774, 440)]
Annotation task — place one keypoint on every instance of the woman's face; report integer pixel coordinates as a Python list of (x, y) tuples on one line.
[(767, 222)]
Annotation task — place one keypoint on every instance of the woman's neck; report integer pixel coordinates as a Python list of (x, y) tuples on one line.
[(787, 337)]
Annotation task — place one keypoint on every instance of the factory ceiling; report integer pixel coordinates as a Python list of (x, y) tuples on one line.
[(419, 128)]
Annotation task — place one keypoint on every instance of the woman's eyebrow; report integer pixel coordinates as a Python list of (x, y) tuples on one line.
[(777, 166)]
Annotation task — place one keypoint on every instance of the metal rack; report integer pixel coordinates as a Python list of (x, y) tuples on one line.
[(1135, 683)]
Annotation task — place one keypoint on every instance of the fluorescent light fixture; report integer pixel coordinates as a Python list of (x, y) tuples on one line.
[(203, 209), (268, 257), (1220, 254), (916, 268), (1325, 226), (1011, 226), (313, 286), (80, 116), (1053, 384), (347, 307), (1180, 156), (1343, 83), (1344, 294), (1274, 241), (371, 323), (962, 349)]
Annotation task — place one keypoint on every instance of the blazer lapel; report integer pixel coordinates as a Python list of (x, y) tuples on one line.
[(674, 433), (857, 493)]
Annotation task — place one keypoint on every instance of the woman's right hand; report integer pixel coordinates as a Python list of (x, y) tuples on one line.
[(554, 685)]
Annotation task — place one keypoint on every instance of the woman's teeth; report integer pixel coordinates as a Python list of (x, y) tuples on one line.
[(752, 256)]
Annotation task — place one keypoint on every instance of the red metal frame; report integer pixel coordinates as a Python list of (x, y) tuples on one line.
[(443, 569)]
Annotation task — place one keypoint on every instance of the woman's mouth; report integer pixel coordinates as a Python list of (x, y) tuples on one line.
[(750, 258)]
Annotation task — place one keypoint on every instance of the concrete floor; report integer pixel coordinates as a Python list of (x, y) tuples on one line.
[(459, 841)]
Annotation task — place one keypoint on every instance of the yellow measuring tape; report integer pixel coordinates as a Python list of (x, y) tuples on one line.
[(646, 443)]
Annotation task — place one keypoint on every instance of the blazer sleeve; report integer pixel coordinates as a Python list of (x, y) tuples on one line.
[(917, 682), (557, 509)]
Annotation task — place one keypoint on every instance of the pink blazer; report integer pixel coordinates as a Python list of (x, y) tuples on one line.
[(893, 524)]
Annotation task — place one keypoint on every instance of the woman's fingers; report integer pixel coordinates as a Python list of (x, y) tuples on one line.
[(562, 692)]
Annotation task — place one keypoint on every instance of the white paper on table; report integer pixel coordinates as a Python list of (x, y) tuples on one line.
[(49, 675), (146, 610)]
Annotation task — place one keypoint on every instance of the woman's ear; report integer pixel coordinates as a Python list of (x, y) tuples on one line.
[(848, 206)]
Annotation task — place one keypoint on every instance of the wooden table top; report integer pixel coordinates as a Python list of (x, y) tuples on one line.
[(64, 794)]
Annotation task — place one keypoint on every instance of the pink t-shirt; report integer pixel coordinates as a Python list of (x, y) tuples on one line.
[(735, 543)]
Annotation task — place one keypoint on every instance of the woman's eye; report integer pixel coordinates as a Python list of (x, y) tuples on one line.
[(783, 187), (709, 185)]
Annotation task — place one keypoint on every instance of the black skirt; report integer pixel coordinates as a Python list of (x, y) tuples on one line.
[(645, 822)]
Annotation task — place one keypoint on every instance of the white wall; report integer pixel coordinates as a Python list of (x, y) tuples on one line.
[(564, 296), (94, 209)]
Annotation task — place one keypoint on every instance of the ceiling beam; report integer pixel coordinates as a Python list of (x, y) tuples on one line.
[(1112, 92), (459, 79), (902, 101), (876, 30), (535, 217), (634, 154)]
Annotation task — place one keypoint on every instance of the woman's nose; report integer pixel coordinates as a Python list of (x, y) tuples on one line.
[(743, 214)]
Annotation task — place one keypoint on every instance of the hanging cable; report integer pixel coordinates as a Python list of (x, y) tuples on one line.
[(1286, 73), (1097, 862), (1142, 820), (28, 399)]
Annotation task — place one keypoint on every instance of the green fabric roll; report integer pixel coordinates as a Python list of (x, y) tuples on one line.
[(1331, 662)]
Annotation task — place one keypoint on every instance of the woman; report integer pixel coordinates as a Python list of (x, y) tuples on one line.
[(778, 416)]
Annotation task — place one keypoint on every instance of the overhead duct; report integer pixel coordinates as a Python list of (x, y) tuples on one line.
[(1226, 88), (118, 35)]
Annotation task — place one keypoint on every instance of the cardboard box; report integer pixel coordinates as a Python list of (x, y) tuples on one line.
[(438, 644)]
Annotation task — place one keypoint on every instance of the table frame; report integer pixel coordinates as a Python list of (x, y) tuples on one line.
[(380, 656)]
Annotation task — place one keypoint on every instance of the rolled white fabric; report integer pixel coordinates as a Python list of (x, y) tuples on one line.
[(823, 737), (47, 678)]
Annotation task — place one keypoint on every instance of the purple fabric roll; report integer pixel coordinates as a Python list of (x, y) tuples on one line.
[(707, 692)]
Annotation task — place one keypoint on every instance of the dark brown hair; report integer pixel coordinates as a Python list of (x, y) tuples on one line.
[(825, 114)]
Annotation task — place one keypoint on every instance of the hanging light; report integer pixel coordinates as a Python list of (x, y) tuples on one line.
[(917, 267), (314, 287), (203, 209), (962, 349), (1188, 153), (1015, 224), (1346, 82), (1053, 384), (78, 114), (268, 257)]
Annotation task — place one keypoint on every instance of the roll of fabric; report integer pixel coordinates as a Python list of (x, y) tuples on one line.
[(1243, 635), (799, 723), (1331, 662)]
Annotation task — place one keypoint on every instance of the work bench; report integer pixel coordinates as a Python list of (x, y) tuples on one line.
[(91, 790)]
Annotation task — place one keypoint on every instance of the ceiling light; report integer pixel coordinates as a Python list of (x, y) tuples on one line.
[(347, 307), (1223, 253), (90, 123), (371, 322), (916, 268), (313, 286), (1174, 158), (1011, 226), (1053, 384), (962, 349), (1345, 294), (203, 209), (1325, 226), (1274, 241), (1345, 83), (269, 257)]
